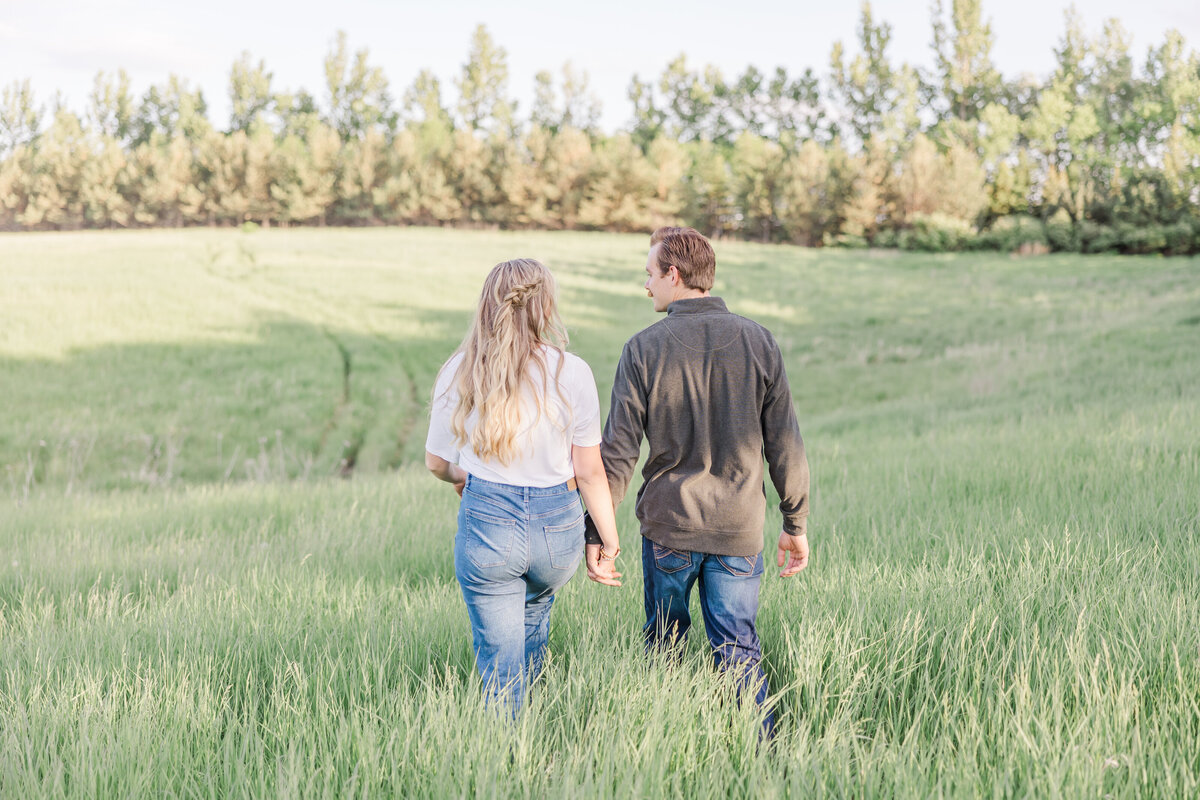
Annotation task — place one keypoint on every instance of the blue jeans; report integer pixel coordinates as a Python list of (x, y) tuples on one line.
[(728, 602), (515, 547)]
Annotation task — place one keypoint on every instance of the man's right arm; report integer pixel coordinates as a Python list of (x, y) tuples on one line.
[(622, 439), (625, 426)]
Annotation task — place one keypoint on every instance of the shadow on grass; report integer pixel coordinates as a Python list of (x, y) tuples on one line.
[(295, 399)]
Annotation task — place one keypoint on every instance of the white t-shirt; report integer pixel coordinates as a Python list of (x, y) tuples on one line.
[(544, 440)]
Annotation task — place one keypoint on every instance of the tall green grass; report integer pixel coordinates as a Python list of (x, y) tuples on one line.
[(1002, 601)]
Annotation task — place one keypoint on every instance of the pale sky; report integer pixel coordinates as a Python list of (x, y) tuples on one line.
[(61, 44)]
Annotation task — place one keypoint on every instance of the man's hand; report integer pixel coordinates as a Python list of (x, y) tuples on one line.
[(793, 550), (605, 571)]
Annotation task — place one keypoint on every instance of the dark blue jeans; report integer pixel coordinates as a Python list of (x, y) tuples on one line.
[(515, 547), (728, 602)]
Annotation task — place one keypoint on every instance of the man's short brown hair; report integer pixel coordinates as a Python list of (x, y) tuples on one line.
[(691, 254)]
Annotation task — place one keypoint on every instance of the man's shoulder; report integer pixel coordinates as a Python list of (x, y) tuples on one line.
[(751, 326), (749, 330), (647, 336), (649, 340)]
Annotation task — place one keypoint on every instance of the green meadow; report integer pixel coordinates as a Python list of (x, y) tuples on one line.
[(225, 573)]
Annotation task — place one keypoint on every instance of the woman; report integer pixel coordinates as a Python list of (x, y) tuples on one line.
[(515, 427)]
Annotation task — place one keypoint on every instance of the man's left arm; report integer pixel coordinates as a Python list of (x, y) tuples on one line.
[(788, 466)]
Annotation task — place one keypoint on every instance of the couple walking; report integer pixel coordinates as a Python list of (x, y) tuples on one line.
[(515, 426)]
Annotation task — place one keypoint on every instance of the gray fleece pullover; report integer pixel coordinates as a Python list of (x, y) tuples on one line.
[(708, 390)]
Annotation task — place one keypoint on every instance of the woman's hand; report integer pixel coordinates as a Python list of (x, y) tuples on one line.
[(593, 485), (602, 570)]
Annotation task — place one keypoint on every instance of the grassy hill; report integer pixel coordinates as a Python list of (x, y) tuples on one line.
[(222, 571)]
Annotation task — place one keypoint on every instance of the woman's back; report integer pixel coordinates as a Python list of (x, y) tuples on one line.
[(555, 413)]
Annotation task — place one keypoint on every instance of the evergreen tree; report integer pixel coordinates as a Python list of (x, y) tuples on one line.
[(1104, 141), (104, 178), (920, 182), (616, 199), (708, 191), (757, 165), (239, 187), (467, 172), (362, 164), (15, 170), (55, 186), (668, 162), (869, 202), (164, 188), (808, 201)]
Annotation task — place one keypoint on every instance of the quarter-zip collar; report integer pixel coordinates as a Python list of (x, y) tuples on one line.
[(697, 305)]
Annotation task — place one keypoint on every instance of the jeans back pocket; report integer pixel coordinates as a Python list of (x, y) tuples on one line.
[(564, 542), (487, 540), (739, 566), (669, 560)]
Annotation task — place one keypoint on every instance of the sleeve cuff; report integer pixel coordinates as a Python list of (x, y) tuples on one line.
[(447, 455), (797, 528), (590, 533)]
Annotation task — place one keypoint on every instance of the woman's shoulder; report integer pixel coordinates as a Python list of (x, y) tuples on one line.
[(445, 375), (570, 369), (575, 364)]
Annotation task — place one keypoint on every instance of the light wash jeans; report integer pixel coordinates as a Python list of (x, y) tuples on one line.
[(515, 547)]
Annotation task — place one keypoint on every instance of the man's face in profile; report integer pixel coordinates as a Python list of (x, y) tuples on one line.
[(659, 287)]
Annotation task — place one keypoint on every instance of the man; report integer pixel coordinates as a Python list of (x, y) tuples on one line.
[(708, 390)]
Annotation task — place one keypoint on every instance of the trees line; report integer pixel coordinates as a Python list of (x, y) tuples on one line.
[(1102, 155)]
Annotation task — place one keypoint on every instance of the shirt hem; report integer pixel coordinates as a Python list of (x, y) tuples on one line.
[(745, 543)]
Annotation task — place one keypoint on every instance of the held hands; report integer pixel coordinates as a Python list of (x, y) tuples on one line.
[(602, 570), (793, 551)]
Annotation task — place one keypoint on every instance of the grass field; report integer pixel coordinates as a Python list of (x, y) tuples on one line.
[(223, 572)]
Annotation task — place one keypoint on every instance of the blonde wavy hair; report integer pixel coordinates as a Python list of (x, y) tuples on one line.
[(516, 317)]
